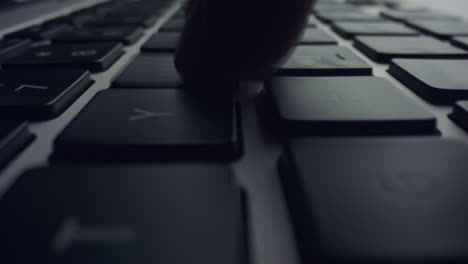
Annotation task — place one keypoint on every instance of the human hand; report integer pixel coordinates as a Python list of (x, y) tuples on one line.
[(238, 39)]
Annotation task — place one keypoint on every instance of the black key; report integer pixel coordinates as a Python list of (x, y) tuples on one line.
[(418, 15), (153, 125), (145, 21), (80, 18), (174, 25), (382, 49), (345, 106), (40, 94), (460, 114), (441, 29), (164, 41), (46, 31), (437, 81), (461, 42), (179, 14), (126, 35), (165, 214), (150, 71), (378, 200), (323, 61), (333, 17), (316, 36), (14, 137), (352, 29), (93, 56), (12, 47)]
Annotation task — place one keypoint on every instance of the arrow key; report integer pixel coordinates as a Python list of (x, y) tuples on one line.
[(162, 124), (39, 94)]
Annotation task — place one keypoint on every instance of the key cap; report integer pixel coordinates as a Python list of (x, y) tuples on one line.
[(461, 42), (316, 36), (179, 14), (40, 94), (12, 47), (173, 25), (441, 29), (459, 114), (163, 124), (437, 81), (323, 61), (145, 21), (378, 200), (165, 214), (352, 29), (154, 70), (78, 19), (46, 31), (162, 42), (126, 35), (95, 57), (418, 15), (382, 49), (345, 106), (14, 137), (333, 17)]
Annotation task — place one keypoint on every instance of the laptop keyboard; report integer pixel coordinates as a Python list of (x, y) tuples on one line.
[(353, 152)]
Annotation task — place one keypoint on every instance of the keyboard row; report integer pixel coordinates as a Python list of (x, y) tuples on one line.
[(351, 200), (327, 109)]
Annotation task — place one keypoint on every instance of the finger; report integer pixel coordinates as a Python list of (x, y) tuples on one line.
[(236, 40)]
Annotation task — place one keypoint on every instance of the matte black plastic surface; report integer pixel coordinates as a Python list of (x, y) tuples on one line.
[(95, 57), (126, 35), (162, 124), (345, 106), (438, 81), (441, 29), (347, 16), (174, 25), (40, 94), (11, 47), (46, 31), (124, 215), (378, 200), (150, 71), (326, 60), (124, 20), (162, 42), (352, 29), (382, 49), (317, 36)]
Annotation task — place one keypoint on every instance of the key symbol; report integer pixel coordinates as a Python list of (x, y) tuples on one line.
[(71, 232), (143, 114), (80, 53), (29, 86), (43, 54)]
